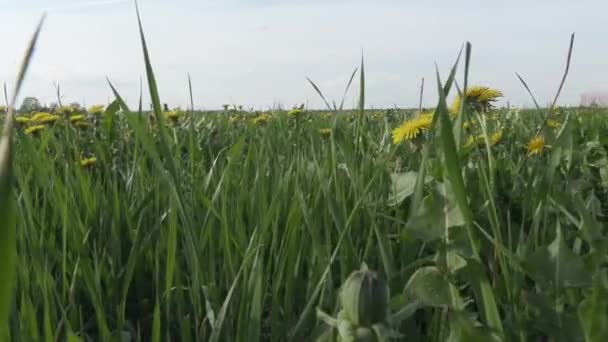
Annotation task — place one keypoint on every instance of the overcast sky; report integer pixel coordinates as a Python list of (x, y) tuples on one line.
[(258, 52)]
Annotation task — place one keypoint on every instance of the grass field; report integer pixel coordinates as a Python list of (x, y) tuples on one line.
[(242, 226)]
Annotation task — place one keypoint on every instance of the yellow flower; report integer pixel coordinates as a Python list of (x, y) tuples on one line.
[(82, 124), (76, 118), (261, 119), (471, 141), (88, 162), (97, 109), (496, 137), (43, 118), (325, 132), (172, 115), (35, 129), (295, 112), (478, 98), (23, 120), (326, 116), (536, 145), (412, 128), (553, 124), (66, 110)]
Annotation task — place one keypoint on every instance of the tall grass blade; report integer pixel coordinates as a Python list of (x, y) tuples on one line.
[(8, 243)]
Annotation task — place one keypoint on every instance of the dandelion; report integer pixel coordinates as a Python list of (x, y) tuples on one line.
[(553, 124), (22, 120), (410, 129), (478, 99), (33, 130), (96, 110), (44, 118), (172, 115), (536, 145), (496, 137), (76, 118), (88, 162), (471, 141), (261, 119), (66, 110), (82, 124), (326, 132), (295, 113)]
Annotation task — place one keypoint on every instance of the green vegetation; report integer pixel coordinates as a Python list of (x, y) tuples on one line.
[(484, 225)]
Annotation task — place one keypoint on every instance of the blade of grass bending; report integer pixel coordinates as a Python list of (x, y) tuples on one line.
[(421, 95), (8, 243), (452, 165), (528, 89), (461, 112), (6, 96), (568, 59), (318, 92), (123, 104), (350, 81), (191, 97)]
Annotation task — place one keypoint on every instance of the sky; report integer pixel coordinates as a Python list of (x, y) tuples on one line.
[(258, 53)]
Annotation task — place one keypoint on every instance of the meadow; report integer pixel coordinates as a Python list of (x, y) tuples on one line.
[(480, 224)]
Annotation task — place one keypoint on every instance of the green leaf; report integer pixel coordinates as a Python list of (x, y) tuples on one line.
[(557, 264), (403, 185), (593, 317), (429, 287)]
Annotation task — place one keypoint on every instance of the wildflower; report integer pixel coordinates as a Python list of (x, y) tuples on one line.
[(410, 129), (172, 115), (471, 141), (536, 145), (66, 110), (23, 120), (88, 162), (295, 113), (32, 130), (82, 124), (44, 118), (496, 137), (478, 98), (97, 109), (261, 119), (553, 124), (76, 118), (326, 132)]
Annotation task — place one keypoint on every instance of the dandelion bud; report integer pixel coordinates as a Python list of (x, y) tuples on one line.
[(364, 298)]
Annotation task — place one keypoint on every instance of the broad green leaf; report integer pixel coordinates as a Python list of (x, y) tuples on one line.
[(429, 287)]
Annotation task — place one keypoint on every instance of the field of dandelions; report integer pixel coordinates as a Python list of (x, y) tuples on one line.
[(462, 222)]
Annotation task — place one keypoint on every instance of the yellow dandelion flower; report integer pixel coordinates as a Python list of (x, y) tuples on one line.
[(82, 124), (553, 124), (22, 120), (97, 109), (172, 115), (33, 130), (261, 119), (76, 118), (44, 118), (496, 137), (294, 113), (471, 141), (88, 162), (536, 145), (410, 129), (66, 110), (478, 98), (325, 132)]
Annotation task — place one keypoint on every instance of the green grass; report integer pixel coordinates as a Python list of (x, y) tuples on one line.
[(212, 227), (271, 219)]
